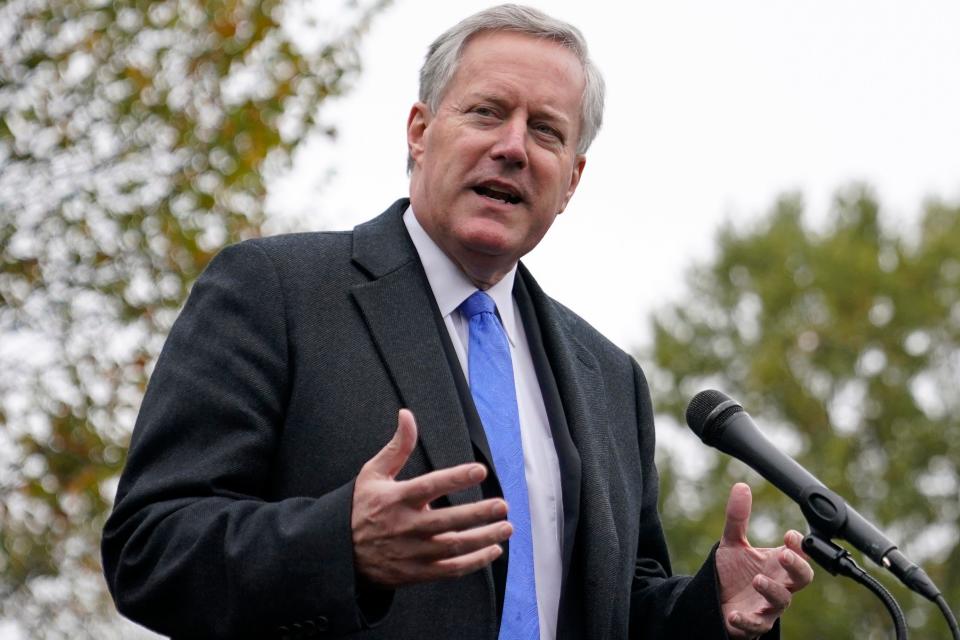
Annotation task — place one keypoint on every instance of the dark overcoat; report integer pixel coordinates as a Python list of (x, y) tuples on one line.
[(283, 375)]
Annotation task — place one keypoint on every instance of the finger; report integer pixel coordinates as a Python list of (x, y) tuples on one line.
[(794, 541), (403, 570), (464, 516), (468, 563), (751, 625), (798, 570), (738, 515), (430, 486), (389, 460), (775, 593), (452, 544)]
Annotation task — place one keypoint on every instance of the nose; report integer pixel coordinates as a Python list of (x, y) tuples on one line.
[(510, 146)]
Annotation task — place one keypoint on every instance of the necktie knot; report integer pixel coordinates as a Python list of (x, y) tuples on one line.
[(478, 302)]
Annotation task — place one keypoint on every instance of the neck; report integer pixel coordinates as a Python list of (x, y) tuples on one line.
[(483, 279)]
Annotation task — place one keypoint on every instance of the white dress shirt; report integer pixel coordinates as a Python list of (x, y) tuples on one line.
[(541, 466)]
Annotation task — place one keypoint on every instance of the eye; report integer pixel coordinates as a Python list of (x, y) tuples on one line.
[(546, 131), (483, 111)]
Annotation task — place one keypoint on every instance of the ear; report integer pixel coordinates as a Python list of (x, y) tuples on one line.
[(417, 123), (578, 164)]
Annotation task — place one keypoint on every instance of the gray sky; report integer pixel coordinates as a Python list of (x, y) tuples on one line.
[(713, 109)]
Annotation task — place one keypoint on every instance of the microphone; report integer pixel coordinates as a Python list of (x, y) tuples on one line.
[(723, 424)]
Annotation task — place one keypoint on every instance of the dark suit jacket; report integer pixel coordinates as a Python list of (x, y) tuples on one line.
[(284, 374)]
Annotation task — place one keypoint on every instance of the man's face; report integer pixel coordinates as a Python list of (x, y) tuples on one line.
[(497, 162)]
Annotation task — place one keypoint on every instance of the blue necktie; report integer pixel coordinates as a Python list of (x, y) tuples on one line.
[(491, 384)]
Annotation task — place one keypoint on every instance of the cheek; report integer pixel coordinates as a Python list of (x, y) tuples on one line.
[(553, 176), (538, 226), (440, 180)]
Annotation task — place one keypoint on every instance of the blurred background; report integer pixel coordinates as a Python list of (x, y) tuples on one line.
[(772, 209)]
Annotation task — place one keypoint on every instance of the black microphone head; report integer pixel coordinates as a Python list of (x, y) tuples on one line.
[(708, 409)]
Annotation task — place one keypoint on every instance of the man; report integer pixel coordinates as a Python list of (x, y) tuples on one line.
[(340, 424)]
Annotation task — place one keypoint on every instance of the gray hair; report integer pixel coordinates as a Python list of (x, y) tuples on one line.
[(443, 58)]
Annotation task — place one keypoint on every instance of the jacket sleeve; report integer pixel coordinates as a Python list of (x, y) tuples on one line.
[(663, 606), (194, 546)]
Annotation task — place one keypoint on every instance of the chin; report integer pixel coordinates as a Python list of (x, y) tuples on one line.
[(489, 238)]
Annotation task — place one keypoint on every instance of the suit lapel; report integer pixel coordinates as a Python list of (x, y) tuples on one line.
[(567, 454), (400, 313), (399, 309), (580, 385)]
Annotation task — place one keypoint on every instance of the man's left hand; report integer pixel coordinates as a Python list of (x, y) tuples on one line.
[(756, 585)]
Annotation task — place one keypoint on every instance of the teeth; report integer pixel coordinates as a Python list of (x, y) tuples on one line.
[(498, 195)]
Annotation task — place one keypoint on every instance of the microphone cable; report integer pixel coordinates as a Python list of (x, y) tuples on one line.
[(948, 614), (871, 583), (838, 561)]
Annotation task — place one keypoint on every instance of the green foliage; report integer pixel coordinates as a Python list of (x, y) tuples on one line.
[(844, 343), (135, 138)]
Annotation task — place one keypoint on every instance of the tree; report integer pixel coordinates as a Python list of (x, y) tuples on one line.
[(135, 141), (844, 344)]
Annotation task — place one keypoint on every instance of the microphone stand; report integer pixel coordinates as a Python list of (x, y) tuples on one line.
[(838, 561), (825, 511)]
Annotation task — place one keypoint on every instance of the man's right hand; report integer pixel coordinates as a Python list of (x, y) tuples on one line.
[(399, 539)]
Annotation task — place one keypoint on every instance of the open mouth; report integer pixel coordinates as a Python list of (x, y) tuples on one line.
[(498, 194)]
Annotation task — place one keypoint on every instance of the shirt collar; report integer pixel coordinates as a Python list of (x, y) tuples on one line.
[(449, 284)]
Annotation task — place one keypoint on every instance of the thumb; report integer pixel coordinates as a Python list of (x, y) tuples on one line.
[(738, 515), (395, 453)]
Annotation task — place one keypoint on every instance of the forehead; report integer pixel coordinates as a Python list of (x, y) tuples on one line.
[(516, 62)]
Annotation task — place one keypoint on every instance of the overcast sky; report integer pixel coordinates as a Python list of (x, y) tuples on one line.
[(713, 108)]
